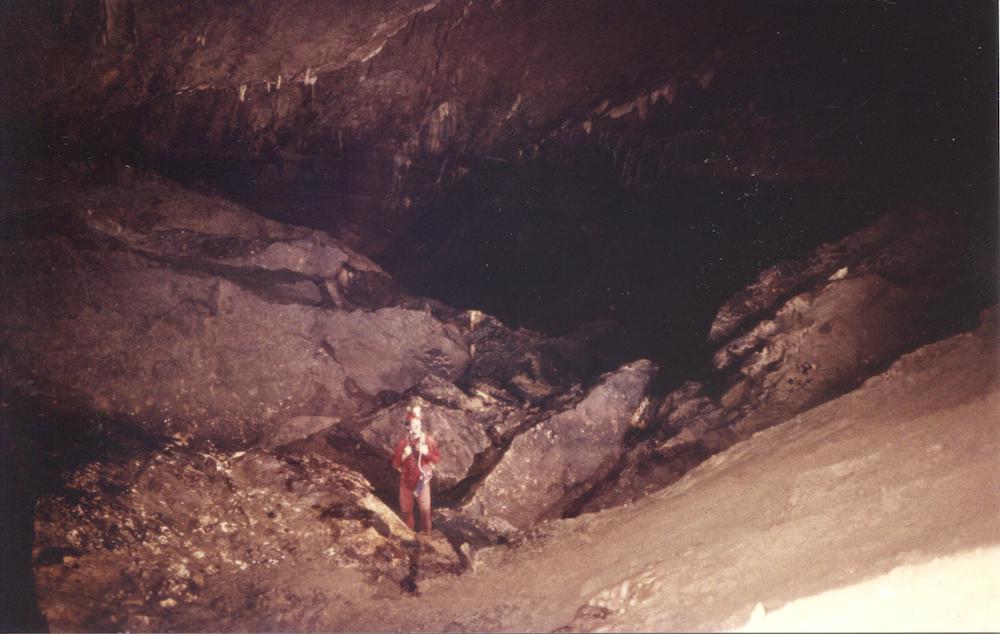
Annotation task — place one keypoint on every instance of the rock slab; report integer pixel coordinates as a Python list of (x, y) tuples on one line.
[(188, 314), (546, 467)]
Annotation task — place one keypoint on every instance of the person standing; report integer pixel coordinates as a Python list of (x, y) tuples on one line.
[(414, 457)]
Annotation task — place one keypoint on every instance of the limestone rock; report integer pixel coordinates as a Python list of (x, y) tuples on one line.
[(547, 466), (908, 248), (524, 363), (460, 435), (463, 528), (188, 314), (835, 319), (295, 428)]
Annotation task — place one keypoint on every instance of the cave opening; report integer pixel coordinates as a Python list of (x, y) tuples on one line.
[(816, 122)]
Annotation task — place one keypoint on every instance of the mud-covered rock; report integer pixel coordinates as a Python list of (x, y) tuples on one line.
[(188, 314), (180, 538), (547, 467)]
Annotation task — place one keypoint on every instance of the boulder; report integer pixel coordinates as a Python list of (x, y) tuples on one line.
[(296, 428), (477, 531), (187, 314), (460, 436), (548, 467), (176, 538), (524, 363)]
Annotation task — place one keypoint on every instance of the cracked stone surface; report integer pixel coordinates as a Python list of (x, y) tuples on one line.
[(205, 319), (546, 467)]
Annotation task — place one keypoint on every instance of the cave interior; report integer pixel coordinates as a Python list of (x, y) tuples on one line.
[(596, 171)]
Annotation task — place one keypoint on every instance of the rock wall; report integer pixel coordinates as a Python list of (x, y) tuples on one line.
[(809, 330), (548, 467), (189, 315), (386, 104)]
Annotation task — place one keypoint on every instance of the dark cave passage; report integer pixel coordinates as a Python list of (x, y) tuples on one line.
[(555, 248), (550, 200)]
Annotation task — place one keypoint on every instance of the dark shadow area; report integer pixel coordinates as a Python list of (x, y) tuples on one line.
[(39, 445)]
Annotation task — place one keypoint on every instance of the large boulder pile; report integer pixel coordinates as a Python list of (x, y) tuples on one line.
[(549, 467), (808, 330), (185, 539), (473, 425)]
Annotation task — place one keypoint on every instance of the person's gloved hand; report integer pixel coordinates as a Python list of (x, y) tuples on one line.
[(423, 449), (406, 452)]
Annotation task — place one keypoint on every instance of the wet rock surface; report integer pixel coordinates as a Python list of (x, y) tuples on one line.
[(189, 314), (186, 539)]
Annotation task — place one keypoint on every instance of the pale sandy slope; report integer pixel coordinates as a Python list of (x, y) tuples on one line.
[(878, 510)]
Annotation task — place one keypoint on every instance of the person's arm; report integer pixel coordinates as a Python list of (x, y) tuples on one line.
[(433, 453), (397, 455)]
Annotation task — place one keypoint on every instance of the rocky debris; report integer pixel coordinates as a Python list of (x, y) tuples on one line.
[(547, 467), (184, 538), (526, 364), (187, 314), (465, 428), (914, 249), (855, 305), (512, 379), (471, 431)]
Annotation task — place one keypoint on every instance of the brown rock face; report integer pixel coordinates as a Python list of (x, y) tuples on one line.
[(548, 467), (807, 331), (187, 314), (460, 435), (378, 107), (179, 539)]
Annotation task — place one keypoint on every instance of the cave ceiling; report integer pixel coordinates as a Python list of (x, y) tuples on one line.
[(567, 145)]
